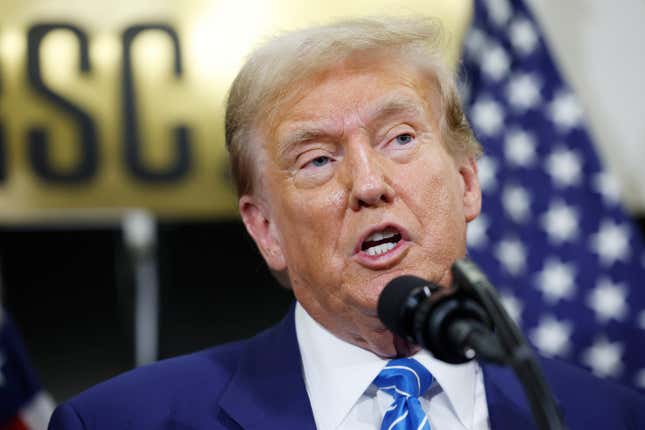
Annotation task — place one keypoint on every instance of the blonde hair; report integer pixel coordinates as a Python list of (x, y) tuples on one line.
[(273, 69)]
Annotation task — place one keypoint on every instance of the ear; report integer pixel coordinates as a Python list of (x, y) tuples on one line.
[(258, 222), (472, 191)]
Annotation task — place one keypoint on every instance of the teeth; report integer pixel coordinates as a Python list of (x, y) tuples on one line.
[(375, 237), (380, 249)]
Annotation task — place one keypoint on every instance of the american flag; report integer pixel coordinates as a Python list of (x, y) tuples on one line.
[(567, 261), (23, 403)]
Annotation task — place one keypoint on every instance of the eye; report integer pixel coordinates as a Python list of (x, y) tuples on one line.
[(404, 139), (320, 161)]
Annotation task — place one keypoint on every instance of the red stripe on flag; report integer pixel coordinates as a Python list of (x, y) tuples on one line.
[(14, 424)]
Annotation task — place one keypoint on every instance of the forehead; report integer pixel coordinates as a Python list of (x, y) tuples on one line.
[(366, 91)]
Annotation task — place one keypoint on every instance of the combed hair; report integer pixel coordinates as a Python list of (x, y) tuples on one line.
[(272, 71)]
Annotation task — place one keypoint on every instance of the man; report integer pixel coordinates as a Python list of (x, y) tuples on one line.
[(354, 165)]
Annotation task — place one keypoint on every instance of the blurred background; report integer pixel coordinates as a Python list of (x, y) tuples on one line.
[(119, 240)]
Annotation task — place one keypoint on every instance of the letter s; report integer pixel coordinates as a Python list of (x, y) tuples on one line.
[(39, 147)]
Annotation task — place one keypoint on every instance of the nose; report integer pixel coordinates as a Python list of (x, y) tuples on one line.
[(369, 183)]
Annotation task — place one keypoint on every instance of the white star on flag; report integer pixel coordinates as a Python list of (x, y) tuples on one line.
[(499, 10), (511, 253), (523, 91), (639, 380), (604, 357), (607, 186), (488, 116), (475, 42), (519, 148), (556, 280), (564, 166), (495, 62), (523, 36), (476, 233), (486, 173), (512, 305), (552, 336), (564, 111), (611, 242), (608, 300), (560, 222), (517, 202), (641, 319)]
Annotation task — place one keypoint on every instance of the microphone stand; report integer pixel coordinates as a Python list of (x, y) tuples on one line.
[(506, 345)]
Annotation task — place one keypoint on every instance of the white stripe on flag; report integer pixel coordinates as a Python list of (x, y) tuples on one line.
[(37, 412)]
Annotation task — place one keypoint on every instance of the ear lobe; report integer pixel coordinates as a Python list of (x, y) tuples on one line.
[(472, 190), (258, 223)]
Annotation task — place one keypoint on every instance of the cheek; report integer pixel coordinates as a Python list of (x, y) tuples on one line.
[(435, 197), (427, 184), (312, 221), (312, 212)]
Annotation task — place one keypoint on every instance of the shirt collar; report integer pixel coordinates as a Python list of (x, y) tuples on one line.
[(458, 381), (337, 373)]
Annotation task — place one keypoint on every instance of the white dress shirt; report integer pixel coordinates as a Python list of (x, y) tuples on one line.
[(338, 377)]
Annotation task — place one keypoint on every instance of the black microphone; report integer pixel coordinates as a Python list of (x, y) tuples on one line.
[(467, 320), (452, 326)]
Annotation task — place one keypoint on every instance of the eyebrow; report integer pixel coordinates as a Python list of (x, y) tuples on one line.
[(395, 106), (306, 132)]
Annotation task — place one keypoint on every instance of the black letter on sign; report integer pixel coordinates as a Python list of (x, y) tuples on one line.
[(133, 153), (87, 163)]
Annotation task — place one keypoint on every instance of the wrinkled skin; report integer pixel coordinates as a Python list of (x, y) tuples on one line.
[(359, 149)]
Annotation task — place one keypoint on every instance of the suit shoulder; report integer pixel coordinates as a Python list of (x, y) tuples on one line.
[(601, 399), (566, 375), (585, 400)]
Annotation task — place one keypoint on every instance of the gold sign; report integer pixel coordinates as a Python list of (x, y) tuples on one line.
[(108, 105)]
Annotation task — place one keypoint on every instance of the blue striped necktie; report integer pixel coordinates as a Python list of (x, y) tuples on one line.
[(405, 379)]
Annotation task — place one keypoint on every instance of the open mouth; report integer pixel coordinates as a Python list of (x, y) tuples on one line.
[(381, 242)]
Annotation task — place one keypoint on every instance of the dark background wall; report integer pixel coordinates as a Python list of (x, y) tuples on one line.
[(70, 293)]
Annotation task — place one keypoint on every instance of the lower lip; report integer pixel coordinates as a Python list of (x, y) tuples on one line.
[(385, 260)]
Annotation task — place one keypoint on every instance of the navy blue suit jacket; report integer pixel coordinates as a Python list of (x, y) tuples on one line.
[(258, 384)]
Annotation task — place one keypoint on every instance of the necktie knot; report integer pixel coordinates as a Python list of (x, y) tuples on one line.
[(405, 379)]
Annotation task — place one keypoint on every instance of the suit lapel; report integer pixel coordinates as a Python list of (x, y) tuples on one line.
[(507, 404), (268, 390)]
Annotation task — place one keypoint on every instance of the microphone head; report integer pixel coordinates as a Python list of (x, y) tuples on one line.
[(397, 303), (438, 319)]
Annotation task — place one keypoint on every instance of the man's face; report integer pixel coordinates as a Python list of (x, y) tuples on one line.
[(357, 188)]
